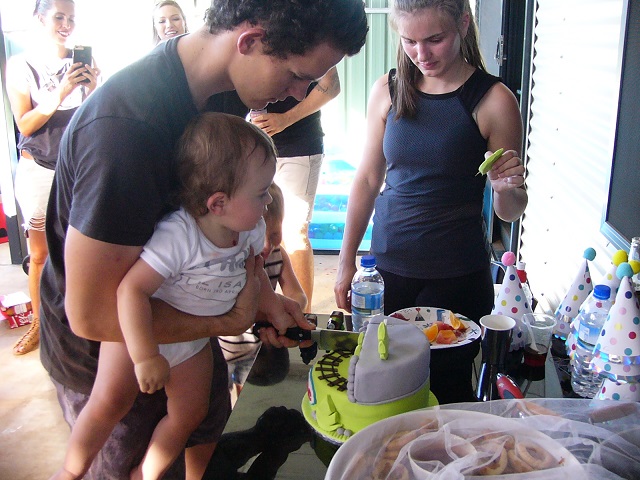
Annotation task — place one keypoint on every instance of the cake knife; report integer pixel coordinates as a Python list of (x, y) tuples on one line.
[(328, 340)]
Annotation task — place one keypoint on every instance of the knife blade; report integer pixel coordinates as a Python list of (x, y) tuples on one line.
[(326, 339)]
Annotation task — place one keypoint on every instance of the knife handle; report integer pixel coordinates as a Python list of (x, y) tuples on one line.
[(307, 354), (294, 333)]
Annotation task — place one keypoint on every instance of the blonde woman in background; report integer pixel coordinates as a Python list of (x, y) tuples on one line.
[(168, 21), (45, 88)]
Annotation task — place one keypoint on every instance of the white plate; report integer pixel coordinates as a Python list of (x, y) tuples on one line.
[(369, 440), (430, 315)]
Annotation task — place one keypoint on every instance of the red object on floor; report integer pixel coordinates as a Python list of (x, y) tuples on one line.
[(16, 309), (4, 238)]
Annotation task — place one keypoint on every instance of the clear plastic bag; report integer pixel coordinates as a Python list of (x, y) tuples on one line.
[(516, 439)]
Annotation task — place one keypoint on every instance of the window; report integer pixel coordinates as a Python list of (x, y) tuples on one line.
[(621, 216)]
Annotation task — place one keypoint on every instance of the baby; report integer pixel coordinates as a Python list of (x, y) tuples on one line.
[(194, 262)]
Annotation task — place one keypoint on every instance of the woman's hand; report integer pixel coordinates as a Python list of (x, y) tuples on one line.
[(507, 173), (342, 287), (507, 180), (271, 123), (71, 80), (92, 73), (75, 77)]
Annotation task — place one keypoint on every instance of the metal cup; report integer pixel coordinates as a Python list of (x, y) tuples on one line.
[(496, 339)]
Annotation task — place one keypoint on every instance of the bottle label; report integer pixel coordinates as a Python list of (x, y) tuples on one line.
[(588, 334), (373, 302)]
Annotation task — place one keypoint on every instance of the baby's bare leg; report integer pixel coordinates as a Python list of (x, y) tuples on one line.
[(114, 391), (187, 405), (197, 459)]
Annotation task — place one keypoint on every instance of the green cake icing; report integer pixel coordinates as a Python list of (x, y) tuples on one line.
[(387, 375)]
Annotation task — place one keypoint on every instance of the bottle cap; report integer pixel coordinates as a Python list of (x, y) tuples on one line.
[(368, 261), (602, 292)]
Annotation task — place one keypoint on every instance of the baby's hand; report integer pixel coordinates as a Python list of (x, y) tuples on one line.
[(284, 313), (152, 373)]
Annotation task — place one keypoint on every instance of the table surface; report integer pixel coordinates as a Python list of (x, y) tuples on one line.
[(265, 422), (283, 424)]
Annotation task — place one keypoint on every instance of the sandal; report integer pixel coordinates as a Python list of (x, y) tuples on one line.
[(30, 340)]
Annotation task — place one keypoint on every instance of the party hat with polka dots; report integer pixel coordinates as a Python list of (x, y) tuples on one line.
[(610, 277), (511, 301), (617, 352), (576, 295), (623, 392)]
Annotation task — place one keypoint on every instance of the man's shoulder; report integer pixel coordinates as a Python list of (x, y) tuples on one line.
[(148, 89)]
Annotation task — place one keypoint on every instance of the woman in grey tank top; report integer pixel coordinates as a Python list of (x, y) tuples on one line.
[(44, 88)]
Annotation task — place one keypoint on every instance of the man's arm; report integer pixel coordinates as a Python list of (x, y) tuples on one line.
[(327, 89), (94, 270)]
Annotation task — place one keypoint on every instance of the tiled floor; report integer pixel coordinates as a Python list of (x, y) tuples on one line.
[(33, 434)]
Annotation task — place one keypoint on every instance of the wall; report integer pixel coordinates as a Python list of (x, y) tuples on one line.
[(489, 20), (344, 117), (574, 98)]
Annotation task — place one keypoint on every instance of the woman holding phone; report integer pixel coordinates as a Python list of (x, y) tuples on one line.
[(45, 87)]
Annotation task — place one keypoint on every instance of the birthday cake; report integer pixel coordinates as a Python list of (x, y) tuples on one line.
[(388, 374)]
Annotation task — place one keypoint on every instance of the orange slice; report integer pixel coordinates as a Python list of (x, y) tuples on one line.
[(455, 321), (446, 337), (443, 326), (431, 332)]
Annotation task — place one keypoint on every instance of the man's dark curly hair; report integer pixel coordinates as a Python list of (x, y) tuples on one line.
[(295, 26)]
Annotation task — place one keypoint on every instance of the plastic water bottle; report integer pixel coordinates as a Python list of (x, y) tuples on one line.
[(367, 293), (591, 318), (524, 281)]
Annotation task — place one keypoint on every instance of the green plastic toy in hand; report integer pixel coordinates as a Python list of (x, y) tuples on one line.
[(488, 163)]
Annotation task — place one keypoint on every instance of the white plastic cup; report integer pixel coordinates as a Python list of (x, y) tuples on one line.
[(539, 328), (497, 322)]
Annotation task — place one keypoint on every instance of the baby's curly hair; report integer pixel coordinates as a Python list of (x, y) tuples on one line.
[(212, 156), (295, 26)]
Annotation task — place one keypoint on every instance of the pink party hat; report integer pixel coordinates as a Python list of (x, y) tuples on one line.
[(577, 293), (623, 392), (610, 277), (511, 300), (617, 352)]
